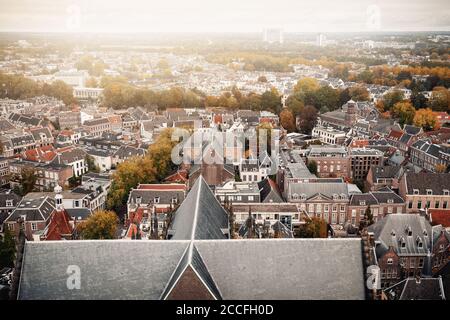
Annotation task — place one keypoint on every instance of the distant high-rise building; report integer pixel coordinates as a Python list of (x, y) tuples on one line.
[(321, 39), (273, 35)]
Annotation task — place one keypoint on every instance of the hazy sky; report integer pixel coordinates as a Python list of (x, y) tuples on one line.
[(223, 16)]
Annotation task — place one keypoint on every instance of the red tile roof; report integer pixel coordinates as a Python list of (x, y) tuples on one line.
[(59, 225), (395, 135), (360, 143), (440, 216), (181, 175), (44, 154)]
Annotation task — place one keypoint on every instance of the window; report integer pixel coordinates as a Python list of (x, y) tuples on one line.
[(428, 203), (33, 226), (250, 198), (390, 209), (175, 200), (410, 205), (446, 192), (9, 203), (437, 204), (429, 192), (444, 205), (390, 261), (419, 204), (156, 200), (415, 191), (342, 208)]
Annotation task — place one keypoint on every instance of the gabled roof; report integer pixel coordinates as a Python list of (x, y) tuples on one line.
[(59, 226), (34, 206), (269, 191), (417, 289), (192, 259), (239, 269), (200, 216), (394, 229)]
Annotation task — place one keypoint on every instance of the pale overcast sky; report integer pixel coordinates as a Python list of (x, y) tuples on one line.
[(223, 16)]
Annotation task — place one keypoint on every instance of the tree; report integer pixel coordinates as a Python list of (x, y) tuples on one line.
[(28, 180), (440, 99), (367, 220), (418, 100), (7, 249), (90, 162), (314, 228), (391, 98), (60, 90), (262, 79), (404, 111), (426, 119), (127, 176), (154, 166), (271, 100), (307, 119), (287, 120), (160, 152), (306, 85), (100, 225), (359, 93), (312, 167), (441, 168)]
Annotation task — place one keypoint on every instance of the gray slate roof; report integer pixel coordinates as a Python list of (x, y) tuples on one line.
[(436, 182), (200, 216), (393, 229), (241, 269)]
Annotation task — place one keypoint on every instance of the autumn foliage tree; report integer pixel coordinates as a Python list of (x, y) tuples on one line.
[(154, 166), (100, 225), (404, 111), (426, 119), (287, 120), (314, 228)]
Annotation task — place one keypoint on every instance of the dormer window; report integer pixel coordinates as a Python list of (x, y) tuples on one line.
[(174, 200), (390, 261), (425, 233), (429, 192), (419, 242), (156, 200), (415, 191), (303, 196), (390, 201), (393, 233), (446, 192), (295, 196), (408, 231), (9, 203), (362, 203), (402, 242)]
